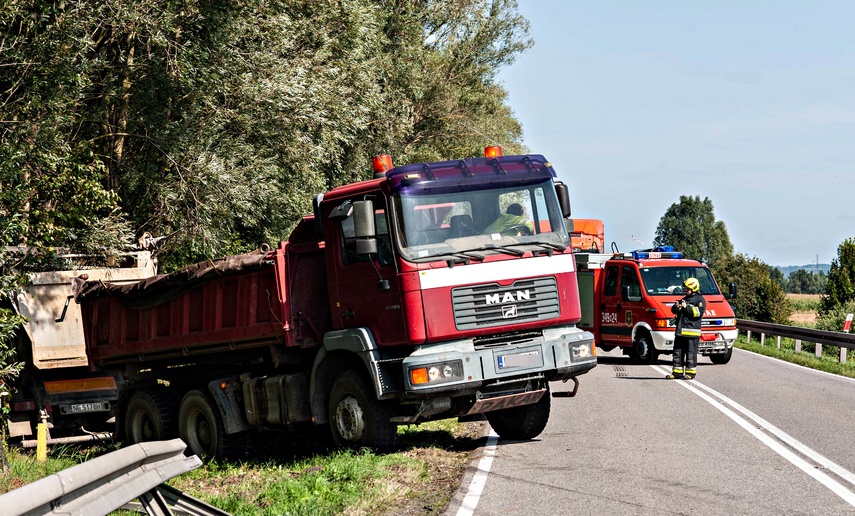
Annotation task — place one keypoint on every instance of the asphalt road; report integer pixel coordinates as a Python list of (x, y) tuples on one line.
[(755, 436)]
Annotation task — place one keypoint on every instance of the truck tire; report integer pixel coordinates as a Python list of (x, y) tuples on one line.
[(521, 423), (357, 418), (200, 425), (722, 358), (149, 416), (643, 350)]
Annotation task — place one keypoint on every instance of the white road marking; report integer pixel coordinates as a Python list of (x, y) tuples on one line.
[(837, 488), (476, 487), (804, 368)]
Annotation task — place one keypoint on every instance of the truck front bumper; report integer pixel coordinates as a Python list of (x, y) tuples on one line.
[(663, 341), (462, 367)]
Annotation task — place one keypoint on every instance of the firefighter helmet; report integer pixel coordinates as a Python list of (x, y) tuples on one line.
[(692, 284)]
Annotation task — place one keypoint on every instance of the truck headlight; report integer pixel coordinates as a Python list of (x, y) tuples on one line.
[(581, 351), (436, 373), (728, 322)]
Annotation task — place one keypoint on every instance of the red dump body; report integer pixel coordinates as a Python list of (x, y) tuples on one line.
[(233, 303)]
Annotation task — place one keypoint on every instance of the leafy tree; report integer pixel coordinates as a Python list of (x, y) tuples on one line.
[(759, 297), (50, 179), (10, 322), (777, 276), (840, 287), (690, 226), (802, 281), (214, 122)]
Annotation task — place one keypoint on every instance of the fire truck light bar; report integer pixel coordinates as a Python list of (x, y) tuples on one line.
[(665, 251)]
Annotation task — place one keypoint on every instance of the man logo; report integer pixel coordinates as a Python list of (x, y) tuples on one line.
[(509, 312), (507, 297)]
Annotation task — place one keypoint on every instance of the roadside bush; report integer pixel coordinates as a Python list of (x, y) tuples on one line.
[(833, 319)]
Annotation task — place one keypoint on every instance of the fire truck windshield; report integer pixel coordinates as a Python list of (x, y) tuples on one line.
[(433, 222), (668, 281)]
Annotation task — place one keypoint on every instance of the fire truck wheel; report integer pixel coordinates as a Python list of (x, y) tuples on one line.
[(521, 423), (643, 350), (357, 418), (149, 416), (722, 358), (199, 425)]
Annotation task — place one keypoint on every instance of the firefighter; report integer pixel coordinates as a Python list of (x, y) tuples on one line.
[(513, 218), (689, 311)]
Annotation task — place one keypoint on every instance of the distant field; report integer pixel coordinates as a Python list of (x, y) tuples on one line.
[(805, 307)]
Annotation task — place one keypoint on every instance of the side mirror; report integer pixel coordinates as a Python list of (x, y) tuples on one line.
[(316, 210), (625, 295), (363, 227), (732, 294), (563, 194), (342, 211)]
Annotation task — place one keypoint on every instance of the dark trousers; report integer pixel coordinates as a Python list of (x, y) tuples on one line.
[(685, 355)]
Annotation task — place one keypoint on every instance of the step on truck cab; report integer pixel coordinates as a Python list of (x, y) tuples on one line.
[(432, 291), (627, 298)]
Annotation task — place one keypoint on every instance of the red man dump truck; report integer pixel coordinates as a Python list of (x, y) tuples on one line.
[(627, 297), (388, 305)]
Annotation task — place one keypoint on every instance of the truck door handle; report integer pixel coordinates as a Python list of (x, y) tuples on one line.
[(347, 314)]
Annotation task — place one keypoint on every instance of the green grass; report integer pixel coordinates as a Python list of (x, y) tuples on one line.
[(420, 478), (828, 362), (317, 485)]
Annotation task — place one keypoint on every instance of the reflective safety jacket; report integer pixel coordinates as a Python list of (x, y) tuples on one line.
[(689, 318), (507, 221)]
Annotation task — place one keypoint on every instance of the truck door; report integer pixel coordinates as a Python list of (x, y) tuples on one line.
[(610, 305), (634, 308), (366, 292), (620, 315)]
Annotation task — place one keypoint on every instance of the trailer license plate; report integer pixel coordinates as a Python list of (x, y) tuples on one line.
[(527, 359), (77, 408)]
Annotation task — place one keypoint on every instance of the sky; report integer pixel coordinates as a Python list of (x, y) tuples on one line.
[(748, 103)]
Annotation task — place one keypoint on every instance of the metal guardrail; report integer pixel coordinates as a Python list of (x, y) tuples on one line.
[(819, 337), (109, 482)]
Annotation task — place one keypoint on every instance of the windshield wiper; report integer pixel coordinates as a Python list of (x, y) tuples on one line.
[(543, 245), (464, 256), (557, 247), (501, 249)]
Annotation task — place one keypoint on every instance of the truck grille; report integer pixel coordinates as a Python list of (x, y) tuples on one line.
[(483, 306)]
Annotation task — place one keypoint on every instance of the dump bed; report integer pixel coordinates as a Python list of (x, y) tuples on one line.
[(54, 326)]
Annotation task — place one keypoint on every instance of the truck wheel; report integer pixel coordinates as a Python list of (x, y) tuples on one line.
[(199, 425), (357, 418), (643, 350), (521, 423), (150, 416), (722, 358)]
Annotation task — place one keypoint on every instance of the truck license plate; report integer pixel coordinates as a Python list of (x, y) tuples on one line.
[(527, 359), (711, 344), (77, 408)]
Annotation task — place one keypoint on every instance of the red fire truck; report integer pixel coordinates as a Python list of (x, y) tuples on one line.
[(389, 305), (627, 297)]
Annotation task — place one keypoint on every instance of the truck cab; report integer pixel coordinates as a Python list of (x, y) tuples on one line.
[(627, 299)]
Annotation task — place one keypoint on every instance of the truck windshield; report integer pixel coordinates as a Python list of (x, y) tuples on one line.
[(668, 281), (435, 223)]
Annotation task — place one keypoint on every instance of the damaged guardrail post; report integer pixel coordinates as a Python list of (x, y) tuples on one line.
[(108, 482)]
